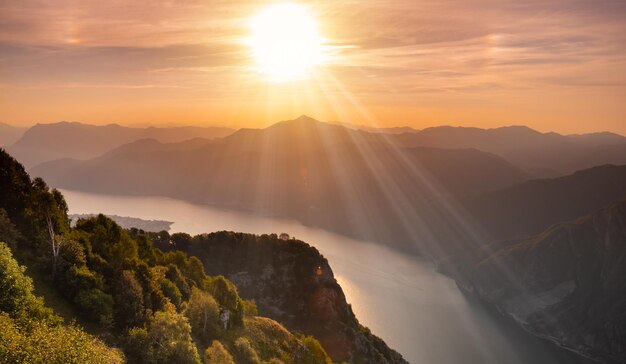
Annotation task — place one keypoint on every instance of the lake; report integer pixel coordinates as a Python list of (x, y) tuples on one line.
[(417, 311)]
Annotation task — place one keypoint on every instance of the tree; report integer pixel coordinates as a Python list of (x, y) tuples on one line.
[(203, 314), (195, 271), (172, 292), (52, 208), (224, 292), (217, 354), (145, 249), (17, 298), (153, 297), (174, 274), (181, 241), (129, 306), (245, 353), (8, 232), (97, 306), (166, 339), (55, 243)]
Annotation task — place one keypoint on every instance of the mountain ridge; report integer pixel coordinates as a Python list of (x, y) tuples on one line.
[(564, 285), (46, 142), (314, 172)]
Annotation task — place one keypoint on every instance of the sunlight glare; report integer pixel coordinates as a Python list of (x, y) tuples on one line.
[(285, 42)]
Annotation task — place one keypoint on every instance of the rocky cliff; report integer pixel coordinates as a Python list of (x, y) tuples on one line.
[(293, 283), (567, 285)]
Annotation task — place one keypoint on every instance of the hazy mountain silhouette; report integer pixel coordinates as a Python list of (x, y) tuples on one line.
[(541, 154), (322, 174), (46, 142), (9, 134), (532, 206)]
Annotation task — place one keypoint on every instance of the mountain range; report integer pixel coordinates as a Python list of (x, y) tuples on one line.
[(376, 186), (531, 223), (46, 142), (354, 182), (539, 154)]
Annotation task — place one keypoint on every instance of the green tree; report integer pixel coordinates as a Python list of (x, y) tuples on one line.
[(203, 314), (17, 298), (172, 292), (153, 296), (145, 249), (224, 292), (97, 306), (166, 339), (195, 271), (129, 306)]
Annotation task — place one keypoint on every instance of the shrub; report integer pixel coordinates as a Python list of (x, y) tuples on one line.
[(217, 354), (249, 308), (245, 353), (44, 344), (316, 350)]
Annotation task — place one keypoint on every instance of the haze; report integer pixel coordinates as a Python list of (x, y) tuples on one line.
[(551, 65)]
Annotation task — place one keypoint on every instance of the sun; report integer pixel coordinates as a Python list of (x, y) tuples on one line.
[(285, 42)]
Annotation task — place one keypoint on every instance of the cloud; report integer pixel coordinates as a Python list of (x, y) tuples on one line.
[(465, 48)]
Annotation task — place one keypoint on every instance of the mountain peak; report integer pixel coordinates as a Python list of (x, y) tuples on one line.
[(304, 117), (301, 121)]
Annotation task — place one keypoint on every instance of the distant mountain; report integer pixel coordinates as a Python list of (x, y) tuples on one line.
[(541, 154), (10, 134), (565, 285), (384, 130), (530, 207), (46, 142), (325, 175)]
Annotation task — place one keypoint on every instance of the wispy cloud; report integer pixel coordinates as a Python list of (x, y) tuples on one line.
[(464, 50)]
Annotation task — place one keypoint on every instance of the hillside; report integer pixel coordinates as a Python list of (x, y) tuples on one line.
[(540, 154), (326, 175), (565, 285), (46, 142), (292, 283), (156, 303), (530, 207)]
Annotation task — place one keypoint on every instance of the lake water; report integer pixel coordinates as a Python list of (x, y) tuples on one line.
[(417, 311)]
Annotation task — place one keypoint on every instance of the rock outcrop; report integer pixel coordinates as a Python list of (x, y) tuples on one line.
[(293, 283), (567, 285)]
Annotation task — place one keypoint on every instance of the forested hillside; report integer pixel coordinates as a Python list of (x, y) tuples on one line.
[(155, 306)]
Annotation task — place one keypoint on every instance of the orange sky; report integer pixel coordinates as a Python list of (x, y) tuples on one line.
[(552, 65)]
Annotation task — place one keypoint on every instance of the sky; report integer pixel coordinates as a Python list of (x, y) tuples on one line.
[(557, 65)]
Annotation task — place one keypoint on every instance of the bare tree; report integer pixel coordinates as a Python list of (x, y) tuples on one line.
[(56, 244)]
